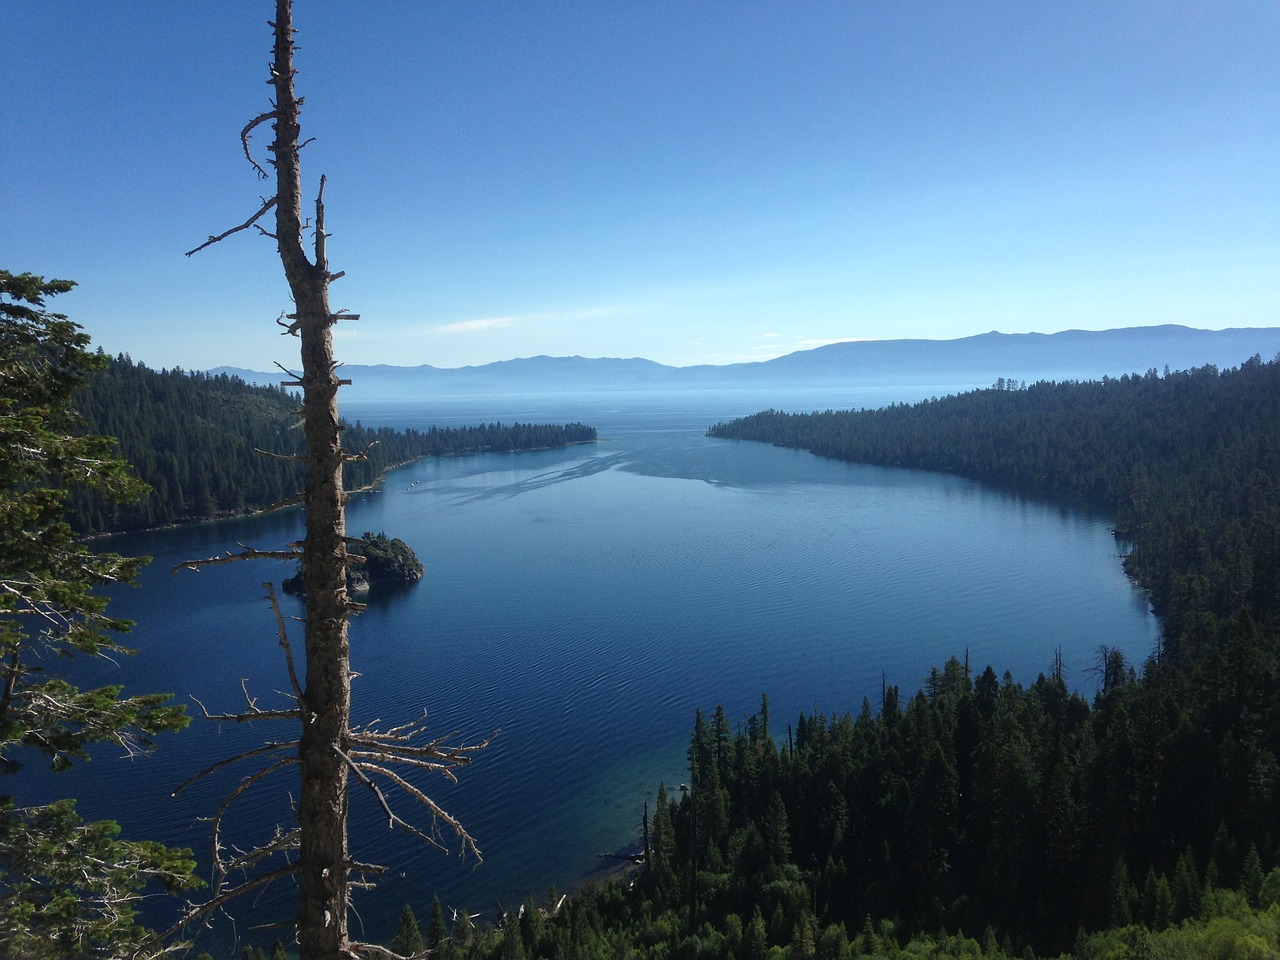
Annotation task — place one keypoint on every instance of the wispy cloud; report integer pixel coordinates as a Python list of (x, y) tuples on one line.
[(473, 326), (481, 324)]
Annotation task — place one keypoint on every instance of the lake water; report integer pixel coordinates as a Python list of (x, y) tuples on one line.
[(584, 602)]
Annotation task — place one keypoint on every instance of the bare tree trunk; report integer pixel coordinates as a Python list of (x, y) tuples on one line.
[(326, 707), (328, 750)]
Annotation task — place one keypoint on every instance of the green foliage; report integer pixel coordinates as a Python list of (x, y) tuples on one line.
[(193, 437), (67, 888), (386, 562), (1186, 463), (1232, 933), (1141, 823), (408, 939), (1187, 751), (49, 606), (437, 931)]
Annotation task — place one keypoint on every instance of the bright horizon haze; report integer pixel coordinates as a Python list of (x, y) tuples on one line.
[(689, 183)]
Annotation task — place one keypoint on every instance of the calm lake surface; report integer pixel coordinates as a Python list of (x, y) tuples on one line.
[(584, 602)]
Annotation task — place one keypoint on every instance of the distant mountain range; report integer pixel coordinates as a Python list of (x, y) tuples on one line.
[(982, 359)]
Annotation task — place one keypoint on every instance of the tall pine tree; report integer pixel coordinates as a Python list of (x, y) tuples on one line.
[(67, 888)]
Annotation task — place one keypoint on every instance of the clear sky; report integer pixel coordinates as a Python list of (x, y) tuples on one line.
[(691, 182)]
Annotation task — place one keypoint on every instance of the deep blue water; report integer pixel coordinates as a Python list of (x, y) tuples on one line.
[(584, 602)]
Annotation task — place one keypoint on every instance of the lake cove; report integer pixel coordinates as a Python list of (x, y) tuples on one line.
[(584, 602)]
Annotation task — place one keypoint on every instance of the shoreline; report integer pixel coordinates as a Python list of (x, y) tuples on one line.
[(372, 487)]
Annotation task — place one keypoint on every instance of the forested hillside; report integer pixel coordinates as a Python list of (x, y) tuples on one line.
[(1188, 465), (980, 816), (192, 437)]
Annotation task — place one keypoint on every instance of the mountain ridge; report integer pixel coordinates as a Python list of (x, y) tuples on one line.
[(981, 358)]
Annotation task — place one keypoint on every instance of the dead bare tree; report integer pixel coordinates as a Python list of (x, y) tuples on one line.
[(327, 751)]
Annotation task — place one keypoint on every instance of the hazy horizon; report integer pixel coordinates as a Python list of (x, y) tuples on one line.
[(646, 360)]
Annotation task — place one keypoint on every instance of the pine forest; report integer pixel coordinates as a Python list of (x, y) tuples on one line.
[(215, 446), (1131, 813), (977, 816)]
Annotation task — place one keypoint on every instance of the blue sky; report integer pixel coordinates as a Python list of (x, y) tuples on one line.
[(691, 182)]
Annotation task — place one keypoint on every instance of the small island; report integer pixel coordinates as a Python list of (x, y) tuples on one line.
[(388, 561)]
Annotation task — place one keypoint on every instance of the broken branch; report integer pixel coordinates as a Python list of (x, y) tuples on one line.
[(267, 205), (284, 642), (295, 457), (244, 140), (227, 761), (247, 553), (393, 821), (204, 909), (468, 843)]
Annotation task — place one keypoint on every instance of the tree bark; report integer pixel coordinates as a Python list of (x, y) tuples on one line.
[(322, 808), (329, 752)]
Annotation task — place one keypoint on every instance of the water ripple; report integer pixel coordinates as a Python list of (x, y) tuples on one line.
[(586, 606)]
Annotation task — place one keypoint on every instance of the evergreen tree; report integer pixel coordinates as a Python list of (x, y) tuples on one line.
[(408, 940), (1122, 895), (437, 931), (67, 888), (1186, 890), (194, 438), (1251, 877), (756, 946)]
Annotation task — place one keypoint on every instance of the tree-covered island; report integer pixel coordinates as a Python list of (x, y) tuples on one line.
[(383, 562)]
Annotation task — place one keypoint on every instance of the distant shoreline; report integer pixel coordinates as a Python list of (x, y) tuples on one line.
[(372, 487)]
